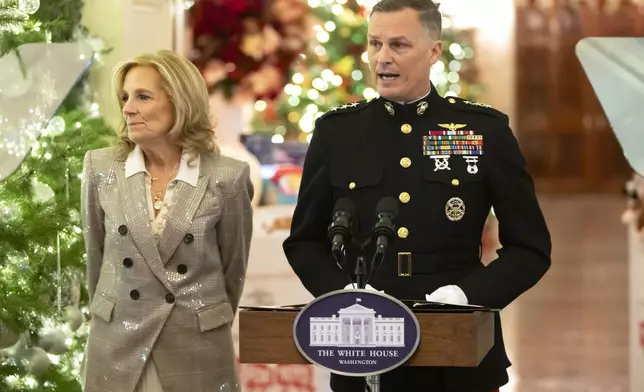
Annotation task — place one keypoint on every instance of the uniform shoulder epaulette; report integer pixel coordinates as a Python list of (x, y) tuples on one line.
[(478, 107), (347, 108)]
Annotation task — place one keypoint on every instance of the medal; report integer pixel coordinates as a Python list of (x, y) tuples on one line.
[(471, 164), (455, 209), (441, 162)]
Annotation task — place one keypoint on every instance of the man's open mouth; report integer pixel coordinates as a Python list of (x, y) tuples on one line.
[(387, 76)]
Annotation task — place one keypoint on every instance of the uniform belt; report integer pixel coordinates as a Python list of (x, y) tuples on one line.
[(419, 263)]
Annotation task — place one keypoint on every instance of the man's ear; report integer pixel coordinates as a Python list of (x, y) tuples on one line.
[(436, 51)]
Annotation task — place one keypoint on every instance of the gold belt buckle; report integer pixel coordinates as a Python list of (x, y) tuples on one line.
[(404, 258)]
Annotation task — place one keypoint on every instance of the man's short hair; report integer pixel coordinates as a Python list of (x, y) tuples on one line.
[(428, 12)]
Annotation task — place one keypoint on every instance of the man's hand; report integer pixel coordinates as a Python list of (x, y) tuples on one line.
[(449, 295), (355, 286)]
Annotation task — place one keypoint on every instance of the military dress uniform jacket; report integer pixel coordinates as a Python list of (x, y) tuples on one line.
[(372, 149), (171, 298)]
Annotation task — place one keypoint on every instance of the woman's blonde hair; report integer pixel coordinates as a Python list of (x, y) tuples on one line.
[(184, 85)]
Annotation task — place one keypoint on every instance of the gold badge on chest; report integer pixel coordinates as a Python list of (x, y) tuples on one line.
[(455, 209)]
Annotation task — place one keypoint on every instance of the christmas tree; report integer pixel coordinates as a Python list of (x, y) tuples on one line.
[(334, 71), (43, 302)]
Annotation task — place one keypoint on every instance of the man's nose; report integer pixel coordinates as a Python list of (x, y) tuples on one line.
[(384, 56)]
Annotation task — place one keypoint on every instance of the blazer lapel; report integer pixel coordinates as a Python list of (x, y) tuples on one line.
[(186, 200), (133, 196)]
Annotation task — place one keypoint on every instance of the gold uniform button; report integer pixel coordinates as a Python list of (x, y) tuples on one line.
[(405, 162), (352, 185), (451, 100), (403, 232), (405, 128), (404, 197), (455, 182)]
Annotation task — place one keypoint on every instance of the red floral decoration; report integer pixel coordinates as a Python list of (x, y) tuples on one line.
[(247, 47)]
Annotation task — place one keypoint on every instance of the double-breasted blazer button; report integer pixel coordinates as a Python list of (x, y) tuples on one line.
[(122, 230), (188, 238), (134, 294), (182, 269), (127, 262), (169, 298)]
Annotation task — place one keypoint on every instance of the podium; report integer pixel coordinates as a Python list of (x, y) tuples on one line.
[(449, 335)]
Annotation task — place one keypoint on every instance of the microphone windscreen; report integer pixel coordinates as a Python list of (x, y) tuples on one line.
[(387, 205), (345, 204)]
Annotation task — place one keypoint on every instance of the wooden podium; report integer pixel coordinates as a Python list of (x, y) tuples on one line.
[(451, 337)]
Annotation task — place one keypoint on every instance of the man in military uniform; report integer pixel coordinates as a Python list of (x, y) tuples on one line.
[(448, 161)]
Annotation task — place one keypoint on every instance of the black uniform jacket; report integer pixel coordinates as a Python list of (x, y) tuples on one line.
[(372, 149)]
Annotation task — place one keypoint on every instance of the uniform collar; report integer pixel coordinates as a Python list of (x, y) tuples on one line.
[(135, 163), (418, 107), (417, 99)]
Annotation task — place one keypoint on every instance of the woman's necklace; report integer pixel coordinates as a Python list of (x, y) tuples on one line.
[(158, 197)]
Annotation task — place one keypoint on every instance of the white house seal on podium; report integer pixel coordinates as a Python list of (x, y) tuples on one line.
[(356, 332)]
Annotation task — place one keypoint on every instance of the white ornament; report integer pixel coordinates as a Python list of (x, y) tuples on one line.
[(42, 192), (29, 6), (74, 317), (53, 342), (7, 337), (38, 361), (55, 127)]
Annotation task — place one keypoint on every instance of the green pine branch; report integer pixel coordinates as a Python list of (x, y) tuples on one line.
[(10, 16), (30, 227)]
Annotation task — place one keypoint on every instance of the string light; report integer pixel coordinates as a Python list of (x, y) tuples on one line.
[(342, 80)]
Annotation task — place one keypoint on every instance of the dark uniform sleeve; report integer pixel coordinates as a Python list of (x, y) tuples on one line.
[(307, 249), (525, 254)]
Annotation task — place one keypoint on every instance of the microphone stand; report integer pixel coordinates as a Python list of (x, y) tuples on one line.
[(362, 271)]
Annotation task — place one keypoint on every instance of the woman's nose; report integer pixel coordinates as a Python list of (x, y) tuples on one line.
[(128, 108)]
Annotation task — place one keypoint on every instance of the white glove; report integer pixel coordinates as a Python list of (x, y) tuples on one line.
[(355, 286), (449, 295)]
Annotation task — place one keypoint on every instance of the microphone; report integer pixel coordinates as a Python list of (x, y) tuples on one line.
[(339, 230), (387, 212)]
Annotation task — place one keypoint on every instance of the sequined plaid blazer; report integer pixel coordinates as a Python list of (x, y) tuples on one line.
[(171, 298)]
